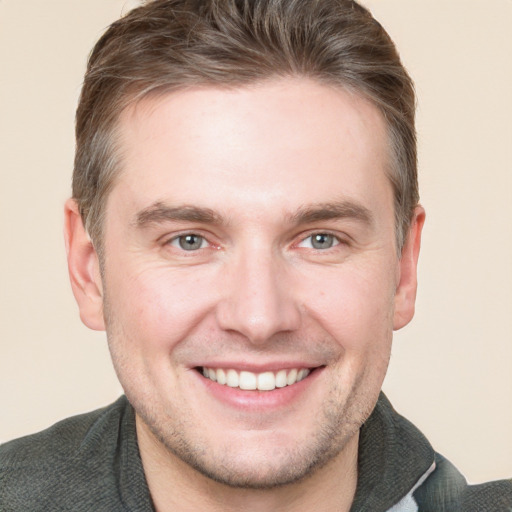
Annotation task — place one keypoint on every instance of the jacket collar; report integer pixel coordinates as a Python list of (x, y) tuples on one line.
[(393, 457)]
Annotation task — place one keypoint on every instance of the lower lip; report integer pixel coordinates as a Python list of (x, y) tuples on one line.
[(256, 400)]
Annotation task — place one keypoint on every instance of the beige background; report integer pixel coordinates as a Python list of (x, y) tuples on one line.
[(451, 370)]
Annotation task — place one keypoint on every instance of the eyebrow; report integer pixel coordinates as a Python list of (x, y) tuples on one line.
[(330, 211), (159, 212)]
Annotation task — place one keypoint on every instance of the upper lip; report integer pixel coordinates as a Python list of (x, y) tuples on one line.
[(258, 367)]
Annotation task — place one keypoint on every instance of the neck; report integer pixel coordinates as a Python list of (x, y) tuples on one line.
[(176, 486)]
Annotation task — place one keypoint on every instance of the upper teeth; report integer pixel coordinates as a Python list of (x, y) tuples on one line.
[(265, 381)]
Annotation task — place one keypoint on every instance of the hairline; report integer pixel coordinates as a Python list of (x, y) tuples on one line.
[(132, 100)]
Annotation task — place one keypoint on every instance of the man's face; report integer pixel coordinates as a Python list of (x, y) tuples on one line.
[(250, 237)]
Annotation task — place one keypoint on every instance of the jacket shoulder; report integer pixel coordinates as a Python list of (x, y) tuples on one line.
[(62, 439), (446, 490), (38, 470)]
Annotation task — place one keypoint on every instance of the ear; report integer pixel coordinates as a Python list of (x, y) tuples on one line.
[(405, 296), (84, 269)]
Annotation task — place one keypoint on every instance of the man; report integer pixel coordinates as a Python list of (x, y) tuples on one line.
[(245, 226)]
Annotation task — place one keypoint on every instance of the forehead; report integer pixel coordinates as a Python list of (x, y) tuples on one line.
[(275, 143)]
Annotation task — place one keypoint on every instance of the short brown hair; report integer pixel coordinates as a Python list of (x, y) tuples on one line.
[(166, 45)]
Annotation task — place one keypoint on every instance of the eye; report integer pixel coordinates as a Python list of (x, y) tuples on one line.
[(320, 241), (189, 242)]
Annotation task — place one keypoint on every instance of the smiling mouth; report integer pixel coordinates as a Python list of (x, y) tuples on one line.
[(265, 381)]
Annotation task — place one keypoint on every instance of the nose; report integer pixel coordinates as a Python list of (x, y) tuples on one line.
[(258, 298)]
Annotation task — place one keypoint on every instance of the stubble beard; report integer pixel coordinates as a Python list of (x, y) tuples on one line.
[(339, 420), (335, 428)]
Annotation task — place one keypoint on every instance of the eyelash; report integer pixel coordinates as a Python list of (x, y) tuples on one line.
[(334, 240), (176, 241)]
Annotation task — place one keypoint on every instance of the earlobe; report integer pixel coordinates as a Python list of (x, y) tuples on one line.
[(405, 296), (83, 267)]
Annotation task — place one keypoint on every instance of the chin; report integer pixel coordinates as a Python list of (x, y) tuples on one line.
[(269, 470), (262, 460)]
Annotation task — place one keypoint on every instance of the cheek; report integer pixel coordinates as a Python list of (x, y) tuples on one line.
[(355, 306), (157, 307)]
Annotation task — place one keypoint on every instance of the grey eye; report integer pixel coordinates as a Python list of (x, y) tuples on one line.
[(190, 242), (322, 241)]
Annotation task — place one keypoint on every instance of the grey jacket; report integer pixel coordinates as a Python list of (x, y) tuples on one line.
[(91, 463)]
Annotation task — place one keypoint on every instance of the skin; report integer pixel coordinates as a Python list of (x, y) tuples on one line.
[(256, 173)]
